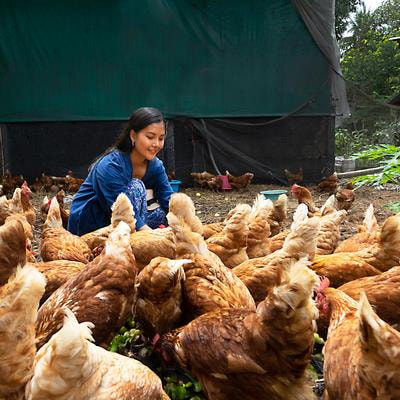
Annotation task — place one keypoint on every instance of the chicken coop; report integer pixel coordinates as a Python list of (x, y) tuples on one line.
[(245, 86)]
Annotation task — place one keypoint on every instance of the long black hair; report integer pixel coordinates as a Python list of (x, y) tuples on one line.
[(140, 118)]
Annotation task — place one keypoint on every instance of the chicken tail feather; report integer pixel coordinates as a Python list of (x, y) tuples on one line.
[(122, 210), (119, 237), (295, 292), (375, 333), (53, 219), (187, 242), (370, 222), (182, 207), (302, 239)]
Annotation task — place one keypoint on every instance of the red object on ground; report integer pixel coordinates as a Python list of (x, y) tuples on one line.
[(162, 226), (225, 182)]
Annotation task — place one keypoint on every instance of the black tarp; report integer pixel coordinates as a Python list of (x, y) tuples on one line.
[(264, 146)]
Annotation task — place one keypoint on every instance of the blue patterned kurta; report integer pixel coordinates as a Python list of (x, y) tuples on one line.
[(136, 192)]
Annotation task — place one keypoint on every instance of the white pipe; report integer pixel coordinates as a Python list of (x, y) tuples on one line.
[(359, 172)]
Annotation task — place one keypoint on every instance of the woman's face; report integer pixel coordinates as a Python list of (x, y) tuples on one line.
[(149, 140)]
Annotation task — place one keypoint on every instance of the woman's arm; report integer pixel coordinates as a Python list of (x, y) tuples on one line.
[(161, 186), (111, 179)]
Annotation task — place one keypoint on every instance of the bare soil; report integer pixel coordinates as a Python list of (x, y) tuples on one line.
[(213, 206)]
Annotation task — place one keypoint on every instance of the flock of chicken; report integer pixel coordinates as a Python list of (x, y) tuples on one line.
[(214, 182), (236, 303), (8, 183)]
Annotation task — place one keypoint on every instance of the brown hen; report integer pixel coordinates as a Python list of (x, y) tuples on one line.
[(258, 242), (102, 292), (59, 244), (201, 178), (209, 284), (57, 273), (278, 215), (340, 268), (383, 292), (12, 206), (329, 184), (27, 207), (148, 244), (368, 234), (345, 197), (259, 274), (160, 295), (19, 302), (329, 232), (121, 210), (239, 182), (304, 196), (13, 244), (368, 348), (240, 354), (231, 243), (70, 367), (211, 229), (382, 255)]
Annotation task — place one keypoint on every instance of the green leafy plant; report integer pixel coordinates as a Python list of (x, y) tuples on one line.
[(131, 342), (183, 387), (389, 158), (347, 143), (318, 339), (126, 335)]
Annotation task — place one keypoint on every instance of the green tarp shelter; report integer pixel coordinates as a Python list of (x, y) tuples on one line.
[(93, 61)]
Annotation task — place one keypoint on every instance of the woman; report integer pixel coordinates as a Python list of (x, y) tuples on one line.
[(131, 167)]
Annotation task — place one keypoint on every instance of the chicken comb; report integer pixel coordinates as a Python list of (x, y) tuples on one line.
[(25, 189), (323, 284), (155, 339)]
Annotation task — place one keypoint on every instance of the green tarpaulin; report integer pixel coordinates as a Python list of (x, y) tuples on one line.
[(99, 60)]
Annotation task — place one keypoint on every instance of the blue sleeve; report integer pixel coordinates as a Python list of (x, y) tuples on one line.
[(162, 187), (112, 178)]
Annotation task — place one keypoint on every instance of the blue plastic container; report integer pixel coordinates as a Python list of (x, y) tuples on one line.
[(273, 194), (176, 185)]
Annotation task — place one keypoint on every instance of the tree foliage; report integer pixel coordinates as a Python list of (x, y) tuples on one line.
[(370, 59), (371, 64), (343, 8)]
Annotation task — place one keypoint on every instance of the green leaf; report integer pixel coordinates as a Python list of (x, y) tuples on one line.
[(180, 392), (197, 387), (394, 207), (113, 348), (318, 339)]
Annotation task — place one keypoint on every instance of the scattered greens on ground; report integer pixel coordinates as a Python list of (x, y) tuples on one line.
[(126, 335), (394, 207), (178, 384)]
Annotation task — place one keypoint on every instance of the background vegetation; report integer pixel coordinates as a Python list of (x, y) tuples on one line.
[(371, 66)]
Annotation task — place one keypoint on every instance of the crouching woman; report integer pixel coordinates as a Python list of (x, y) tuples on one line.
[(130, 166)]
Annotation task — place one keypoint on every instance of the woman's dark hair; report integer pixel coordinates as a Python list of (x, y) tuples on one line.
[(140, 118)]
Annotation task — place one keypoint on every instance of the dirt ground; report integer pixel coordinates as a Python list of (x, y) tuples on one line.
[(213, 206)]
